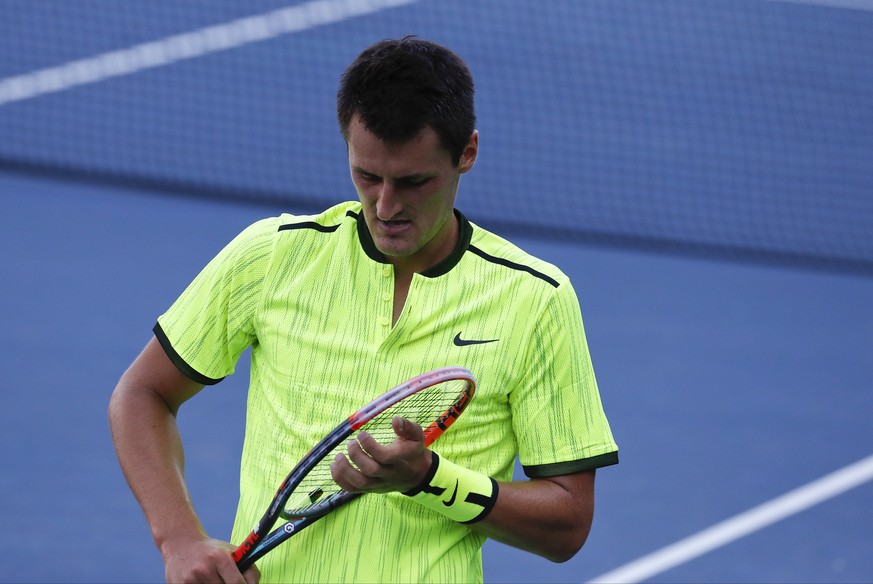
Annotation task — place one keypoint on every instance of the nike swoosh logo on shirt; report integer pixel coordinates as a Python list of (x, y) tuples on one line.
[(451, 500), (463, 342)]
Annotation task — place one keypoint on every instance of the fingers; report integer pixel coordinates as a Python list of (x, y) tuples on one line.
[(252, 575), (356, 471), (229, 574), (348, 477), (206, 560), (369, 466), (409, 436), (407, 430)]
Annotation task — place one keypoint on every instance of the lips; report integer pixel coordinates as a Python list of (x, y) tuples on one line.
[(394, 227)]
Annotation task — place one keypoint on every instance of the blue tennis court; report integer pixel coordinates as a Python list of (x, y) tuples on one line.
[(703, 175)]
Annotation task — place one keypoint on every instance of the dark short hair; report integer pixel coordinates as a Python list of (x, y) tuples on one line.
[(399, 87)]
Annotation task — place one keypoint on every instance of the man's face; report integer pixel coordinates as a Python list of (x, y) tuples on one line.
[(408, 193)]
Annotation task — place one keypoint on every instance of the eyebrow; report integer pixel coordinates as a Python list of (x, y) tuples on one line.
[(409, 177)]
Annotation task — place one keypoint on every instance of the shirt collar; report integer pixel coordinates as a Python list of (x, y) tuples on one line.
[(465, 234)]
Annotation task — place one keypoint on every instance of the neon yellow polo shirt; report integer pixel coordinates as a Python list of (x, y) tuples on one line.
[(313, 297)]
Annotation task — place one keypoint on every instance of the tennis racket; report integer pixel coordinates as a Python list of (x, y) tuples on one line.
[(433, 400)]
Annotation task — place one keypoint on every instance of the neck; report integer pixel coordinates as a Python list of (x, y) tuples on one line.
[(438, 249)]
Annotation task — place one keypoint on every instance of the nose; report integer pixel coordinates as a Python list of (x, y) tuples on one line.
[(388, 205)]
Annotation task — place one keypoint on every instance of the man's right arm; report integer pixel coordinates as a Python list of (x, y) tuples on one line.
[(142, 416)]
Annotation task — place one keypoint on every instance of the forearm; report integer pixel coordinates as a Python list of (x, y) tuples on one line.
[(547, 517), (149, 448), (550, 517)]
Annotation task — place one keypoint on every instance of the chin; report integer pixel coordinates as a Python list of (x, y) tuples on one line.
[(396, 248), (395, 252)]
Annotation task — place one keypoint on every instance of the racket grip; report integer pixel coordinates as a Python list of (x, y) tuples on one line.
[(242, 556)]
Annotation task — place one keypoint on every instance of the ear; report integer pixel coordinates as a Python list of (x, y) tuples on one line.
[(471, 151)]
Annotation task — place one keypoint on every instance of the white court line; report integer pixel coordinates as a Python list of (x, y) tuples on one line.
[(741, 525), (850, 4), (222, 37), (187, 45)]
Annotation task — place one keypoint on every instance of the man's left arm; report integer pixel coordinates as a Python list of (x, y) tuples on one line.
[(550, 517)]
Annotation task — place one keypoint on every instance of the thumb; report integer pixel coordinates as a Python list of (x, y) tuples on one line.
[(407, 430)]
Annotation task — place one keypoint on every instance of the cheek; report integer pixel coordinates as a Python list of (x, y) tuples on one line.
[(365, 193), (442, 201), (438, 208)]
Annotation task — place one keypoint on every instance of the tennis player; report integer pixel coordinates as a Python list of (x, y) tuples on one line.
[(342, 305)]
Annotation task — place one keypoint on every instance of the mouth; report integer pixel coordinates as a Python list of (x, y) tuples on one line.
[(394, 226)]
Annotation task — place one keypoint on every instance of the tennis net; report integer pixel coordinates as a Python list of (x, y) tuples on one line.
[(735, 128)]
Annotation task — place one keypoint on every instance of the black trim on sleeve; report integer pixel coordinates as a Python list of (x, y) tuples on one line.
[(316, 226), (541, 471), (513, 265), (179, 362), (309, 225)]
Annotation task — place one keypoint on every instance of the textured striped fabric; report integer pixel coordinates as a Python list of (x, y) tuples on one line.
[(314, 298)]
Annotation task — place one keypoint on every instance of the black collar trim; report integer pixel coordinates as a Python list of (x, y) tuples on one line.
[(441, 268)]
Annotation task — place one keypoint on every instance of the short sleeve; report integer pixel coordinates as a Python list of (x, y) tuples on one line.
[(557, 413), (209, 326)]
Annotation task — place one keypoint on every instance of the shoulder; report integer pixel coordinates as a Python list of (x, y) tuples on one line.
[(274, 234), (327, 221), (256, 245), (506, 257)]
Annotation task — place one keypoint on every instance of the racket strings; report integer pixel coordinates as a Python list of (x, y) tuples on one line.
[(425, 408)]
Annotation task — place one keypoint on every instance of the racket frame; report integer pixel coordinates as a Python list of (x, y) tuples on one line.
[(261, 540)]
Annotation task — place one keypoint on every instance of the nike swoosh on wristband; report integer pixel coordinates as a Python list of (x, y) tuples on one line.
[(463, 342), (451, 500)]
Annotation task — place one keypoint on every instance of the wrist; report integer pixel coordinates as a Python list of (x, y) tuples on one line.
[(177, 536), (428, 475), (458, 493)]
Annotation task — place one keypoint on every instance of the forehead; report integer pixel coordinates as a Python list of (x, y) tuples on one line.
[(423, 153)]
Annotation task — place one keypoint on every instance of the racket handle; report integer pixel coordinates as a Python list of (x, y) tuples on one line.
[(249, 553)]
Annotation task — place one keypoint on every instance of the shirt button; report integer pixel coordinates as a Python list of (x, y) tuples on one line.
[(386, 271), (385, 321), (386, 296)]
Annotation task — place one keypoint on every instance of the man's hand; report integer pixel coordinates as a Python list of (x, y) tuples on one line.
[(205, 560), (382, 468)]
